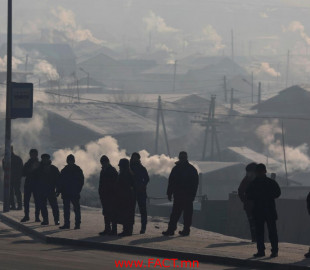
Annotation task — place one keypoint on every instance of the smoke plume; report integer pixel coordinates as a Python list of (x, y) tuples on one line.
[(88, 158), (157, 24), (45, 69), (297, 157), (298, 27), (212, 36), (66, 23)]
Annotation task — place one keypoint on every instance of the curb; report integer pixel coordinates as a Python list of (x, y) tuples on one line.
[(146, 251)]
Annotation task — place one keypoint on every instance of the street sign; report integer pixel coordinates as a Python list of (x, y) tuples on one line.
[(21, 100)]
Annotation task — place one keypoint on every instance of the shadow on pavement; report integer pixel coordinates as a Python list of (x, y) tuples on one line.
[(149, 240), (242, 243)]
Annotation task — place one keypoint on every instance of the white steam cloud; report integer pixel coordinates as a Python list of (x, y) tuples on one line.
[(88, 158), (45, 69), (266, 68), (157, 24), (212, 36), (297, 157), (26, 134), (66, 23), (298, 27), (15, 63)]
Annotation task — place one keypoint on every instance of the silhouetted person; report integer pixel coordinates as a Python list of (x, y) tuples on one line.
[(15, 183), (247, 204), (263, 191), (307, 255), (71, 182), (125, 198), (46, 181), (183, 184), (141, 177), (29, 188), (107, 193)]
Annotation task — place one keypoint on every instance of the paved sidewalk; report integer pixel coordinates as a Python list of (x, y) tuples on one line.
[(202, 245)]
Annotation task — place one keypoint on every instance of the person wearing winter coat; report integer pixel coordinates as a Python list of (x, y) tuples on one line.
[(46, 181), (125, 198), (263, 191), (107, 194), (141, 178), (71, 182), (247, 204), (183, 184), (15, 182), (29, 187)]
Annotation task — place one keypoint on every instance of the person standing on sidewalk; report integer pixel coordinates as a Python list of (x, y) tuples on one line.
[(247, 204), (71, 182), (29, 188), (263, 191), (125, 198), (307, 255), (46, 182), (107, 186), (183, 184), (141, 177), (16, 179)]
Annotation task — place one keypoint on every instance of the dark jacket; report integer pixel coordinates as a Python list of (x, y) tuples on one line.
[(263, 191), (141, 177), (16, 168), (125, 198), (71, 181), (247, 204), (107, 189), (308, 203), (46, 179), (28, 171), (183, 181)]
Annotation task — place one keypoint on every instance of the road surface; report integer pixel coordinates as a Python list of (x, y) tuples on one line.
[(20, 252)]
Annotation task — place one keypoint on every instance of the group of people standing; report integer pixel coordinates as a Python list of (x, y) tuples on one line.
[(45, 183), (119, 191), (258, 193)]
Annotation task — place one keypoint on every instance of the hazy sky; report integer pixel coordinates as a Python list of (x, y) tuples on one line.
[(270, 26)]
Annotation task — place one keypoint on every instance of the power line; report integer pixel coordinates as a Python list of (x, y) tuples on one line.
[(183, 111)]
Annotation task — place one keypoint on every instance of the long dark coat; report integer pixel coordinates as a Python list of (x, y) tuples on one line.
[(107, 189), (263, 191), (125, 198)]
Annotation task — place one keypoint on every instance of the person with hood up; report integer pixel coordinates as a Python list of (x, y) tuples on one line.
[(125, 198), (71, 182), (183, 184), (107, 193)]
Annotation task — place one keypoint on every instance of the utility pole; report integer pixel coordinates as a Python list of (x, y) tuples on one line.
[(210, 122), (287, 68), (77, 89), (157, 125), (232, 45), (259, 92), (284, 154), (26, 63), (252, 84), (160, 114), (174, 74), (88, 75), (225, 88), (231, 99), (7, 158)]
